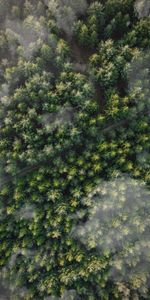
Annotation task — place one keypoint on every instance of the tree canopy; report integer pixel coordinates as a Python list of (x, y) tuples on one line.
[(74, 150)]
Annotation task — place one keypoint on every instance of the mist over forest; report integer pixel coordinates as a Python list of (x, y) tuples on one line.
[(74, 150)]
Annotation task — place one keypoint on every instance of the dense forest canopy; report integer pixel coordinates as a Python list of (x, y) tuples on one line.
[(74, 149)]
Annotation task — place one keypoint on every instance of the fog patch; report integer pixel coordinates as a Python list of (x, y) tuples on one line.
[(23, 252), (143, 159), (118, 225), (4, 91), (80, 67), (142, 7), (65, 12), (53, 120), (29, 34), (5, 101), (4, 292), (26, 212), (138, 74), (67, 295)]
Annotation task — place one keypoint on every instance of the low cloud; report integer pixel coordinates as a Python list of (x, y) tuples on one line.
[(142, 7), (67, 295), (138, 74), (29, 34), (118, 227), (65, 12), (62, 117), (24, 252), (26, 212)]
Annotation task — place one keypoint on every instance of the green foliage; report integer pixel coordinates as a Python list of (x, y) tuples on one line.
[(110, 20), (108, 65), (81, 32), (62, 51), (46, 52), (62, 133), (139, 36)]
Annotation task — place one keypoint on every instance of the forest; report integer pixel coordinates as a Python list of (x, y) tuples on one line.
[(75, 149)]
